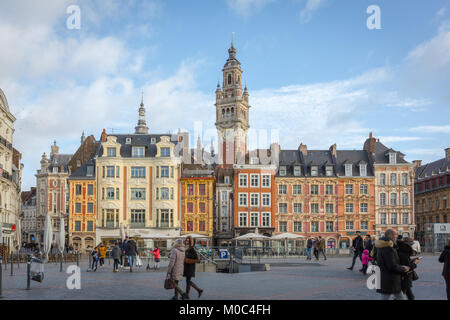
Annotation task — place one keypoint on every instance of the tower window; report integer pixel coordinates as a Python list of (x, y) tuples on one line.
[(229, 79)]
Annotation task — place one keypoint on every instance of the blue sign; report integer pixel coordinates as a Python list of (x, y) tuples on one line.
[(223, 253)]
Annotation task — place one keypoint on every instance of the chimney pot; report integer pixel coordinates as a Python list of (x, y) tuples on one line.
[(447, 153)]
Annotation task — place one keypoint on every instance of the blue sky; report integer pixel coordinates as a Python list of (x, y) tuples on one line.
[(316, 74)]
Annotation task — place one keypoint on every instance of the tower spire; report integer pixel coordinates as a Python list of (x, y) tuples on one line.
[(141, 127)]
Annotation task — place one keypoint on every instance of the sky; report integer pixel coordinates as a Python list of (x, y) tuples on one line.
[(315, 72)]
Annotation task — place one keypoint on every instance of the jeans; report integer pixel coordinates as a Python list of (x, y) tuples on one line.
[(447, 283), (130, 261), (398, 296), (323, 252), (308, 253), (356, 254), (94, 263), (116, 264)]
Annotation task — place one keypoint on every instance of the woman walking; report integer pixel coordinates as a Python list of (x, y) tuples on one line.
[(176, 268), (445, 259), (191, 258), (116, 253), (405, 251)]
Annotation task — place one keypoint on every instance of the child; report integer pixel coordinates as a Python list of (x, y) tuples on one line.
[(365, 261), (95, 256), (157, 257)]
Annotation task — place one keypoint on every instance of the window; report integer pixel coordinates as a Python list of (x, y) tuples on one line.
[(109, 193), (254, 219), (382, 199), (137, 194), (77, 190), (164, 193), (265, 181), (405, 199), (393, 199), (382, 179), (348, 189), (348, 169), (282, 189), (201, 226), (254, 200), (394, 218), (405, 218), (110, 171), (364, 225), (229, 78), (348, 225), (383, 218), (393, 179), (349, 207), (282, 208), (137, 216), (314, 226), (314, 189), (297, 189), (444, 202), (77, 225), (364, 208), (201, 189), (254, 180), (329, 171), (405, 179), (226, 180), (137, 172), (89, 171), (243, 199), (314, 208), (297, 226), (329, 189), (90, 190), (297, 171), (363, 189), (282, 226), (430, 204), (78, 207), (202, 207), (165, 152), (138, 152), (254, 160), (243, 216), (329, 207), (363, 170), (164, 172), (298, 208), (90, 207), (242, 180), (265, 219), (314, 171), (329, 226), (190, 189), (190, 207), (266, 199), (90, 226), (117, 193), (111, 152), (392, 158), (189, 226)]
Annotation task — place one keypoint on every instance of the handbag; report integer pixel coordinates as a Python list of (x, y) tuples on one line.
[(414, 276), (168, 284)]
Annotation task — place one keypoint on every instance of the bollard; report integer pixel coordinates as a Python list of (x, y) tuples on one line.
[(60, 262), (18, 260), (28, 272), (12, 265), (1, 277), (90, 262), (78, 259)]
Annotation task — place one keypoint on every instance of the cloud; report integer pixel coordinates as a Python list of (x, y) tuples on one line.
[(248, 7), (432, 129), (388, 139), (310, 8), (440, 13)]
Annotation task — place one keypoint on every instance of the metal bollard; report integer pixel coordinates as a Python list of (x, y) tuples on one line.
[(28, 273), (78, 260), (18, 260), (12, 265), (60, 262), (1, 277)]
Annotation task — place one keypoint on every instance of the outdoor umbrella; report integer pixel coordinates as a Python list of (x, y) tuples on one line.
[(48, 236), (287, 236), (18, 236), (62, 236)]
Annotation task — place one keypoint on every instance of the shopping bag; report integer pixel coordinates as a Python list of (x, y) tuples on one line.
[(138, 261)]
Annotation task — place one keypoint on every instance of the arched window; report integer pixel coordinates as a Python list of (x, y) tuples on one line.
[(223, 113), (229, 79), (228, 112), (232, 110)]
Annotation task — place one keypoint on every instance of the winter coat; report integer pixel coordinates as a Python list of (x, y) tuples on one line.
[(131, 249), (368, 245), (322, 244), (176, 264), (156, 253), (191, 258), (358, 244), (389, 263), (445, 259), (309, 243), (405, 251), (102, 251), (116, 252), (365, 258)]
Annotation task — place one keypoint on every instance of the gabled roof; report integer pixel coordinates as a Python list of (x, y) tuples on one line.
[(82, 172)]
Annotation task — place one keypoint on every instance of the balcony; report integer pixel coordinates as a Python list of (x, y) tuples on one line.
[(6, 143), (137, 225)]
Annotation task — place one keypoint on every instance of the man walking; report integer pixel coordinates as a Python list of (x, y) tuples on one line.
[(358, 248), (322, 247), (309, 245), (389, 263), (131, 252), (368, 244)]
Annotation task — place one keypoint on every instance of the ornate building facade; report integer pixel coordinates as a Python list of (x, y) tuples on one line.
[(29, 216)]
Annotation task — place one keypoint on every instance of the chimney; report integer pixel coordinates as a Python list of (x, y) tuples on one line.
[(333, 150), (103, 137), (180, 138), (303, 149), (275, 153), (369, 145), (417, 163), (447, 153)]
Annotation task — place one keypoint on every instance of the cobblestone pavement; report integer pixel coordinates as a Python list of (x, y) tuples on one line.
[(293, 279)]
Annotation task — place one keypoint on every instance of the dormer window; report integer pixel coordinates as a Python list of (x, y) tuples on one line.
[(363, 170), (111, 152), (78, 163), (227, 179), (138, 152), (392, 158), (128, 141), (90, 171), (254, 160), (329, 171), (282, 170), (314, 171), (153, 140), (297, 171), (55, 169), (348, 169)]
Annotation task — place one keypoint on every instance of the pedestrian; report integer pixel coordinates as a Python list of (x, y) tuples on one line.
[(368, 244), (390, 267), (316, 244), (445, 259), (131, 252), (124, 248), (121, 252), (191, 258), (116, 253), (309, 245), (365, 261), (322, 247), (358, 248), (405, 251), (175, 269), (156, 256), (102, 254), (95, 257)]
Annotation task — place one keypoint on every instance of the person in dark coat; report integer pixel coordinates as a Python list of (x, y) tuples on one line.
[(131, 252), (445, 259), (316, 245), (309, 245), (368, 244), (116, 253), (405, 251), (358, 248), (390, 267), (191, 258)]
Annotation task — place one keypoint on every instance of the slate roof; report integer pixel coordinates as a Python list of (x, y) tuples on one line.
[(355, 157), (58, 160), (380, 156), (81, 172), (433, 169)]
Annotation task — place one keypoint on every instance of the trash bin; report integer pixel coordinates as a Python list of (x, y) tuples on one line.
[(37, 270)]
